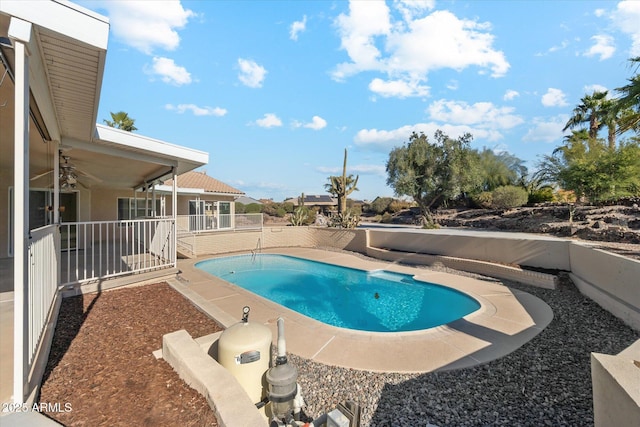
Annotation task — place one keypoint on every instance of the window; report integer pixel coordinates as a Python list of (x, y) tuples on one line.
[(129, 208)]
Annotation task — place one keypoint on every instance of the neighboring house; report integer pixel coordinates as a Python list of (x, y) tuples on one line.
[(208, 203), (67, 183)]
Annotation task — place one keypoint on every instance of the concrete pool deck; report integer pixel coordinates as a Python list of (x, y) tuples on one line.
[(507, 319)]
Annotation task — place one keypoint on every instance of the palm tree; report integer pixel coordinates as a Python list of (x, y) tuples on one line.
[(121, 120), (342, 186), (629, 102), (591, 110)]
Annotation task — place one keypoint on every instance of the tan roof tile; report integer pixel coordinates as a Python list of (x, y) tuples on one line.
[(194, 179)]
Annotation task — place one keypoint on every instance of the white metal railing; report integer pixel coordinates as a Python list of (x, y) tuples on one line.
[(44, 276), (93, 250), (203, 223)]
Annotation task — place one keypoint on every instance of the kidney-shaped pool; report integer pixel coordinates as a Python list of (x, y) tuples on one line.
[(377, 301)]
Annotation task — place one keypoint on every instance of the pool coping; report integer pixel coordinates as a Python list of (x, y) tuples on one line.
[(507, 319)]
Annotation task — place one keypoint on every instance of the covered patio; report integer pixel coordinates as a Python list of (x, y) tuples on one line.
[(77, 199)]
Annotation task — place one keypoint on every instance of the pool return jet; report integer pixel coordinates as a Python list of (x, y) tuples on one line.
[(244, 349)]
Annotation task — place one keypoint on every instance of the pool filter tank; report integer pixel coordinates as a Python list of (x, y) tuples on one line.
[(244, 349)]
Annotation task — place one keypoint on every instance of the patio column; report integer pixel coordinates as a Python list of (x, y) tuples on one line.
[(56, 187), (174, 215), (20, 34)]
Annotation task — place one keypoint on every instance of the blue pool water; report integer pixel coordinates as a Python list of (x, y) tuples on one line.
[(379, 301)]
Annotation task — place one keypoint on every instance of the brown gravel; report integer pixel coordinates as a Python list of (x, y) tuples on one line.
[(101, 365)]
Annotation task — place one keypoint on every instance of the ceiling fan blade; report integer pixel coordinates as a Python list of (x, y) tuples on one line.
[(88, 175), (40, 175)]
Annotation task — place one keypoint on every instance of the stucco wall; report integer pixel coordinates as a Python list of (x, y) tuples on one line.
[(613, 281), (277, 237), (507, 248)]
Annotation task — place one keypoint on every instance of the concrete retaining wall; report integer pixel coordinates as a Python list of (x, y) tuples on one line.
[(225, 395), (611, 280), (616, 390), (505, 248), (281, 237)]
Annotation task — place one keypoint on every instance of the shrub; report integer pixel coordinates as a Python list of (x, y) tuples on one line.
[(483, 200), (253, 208), (380, 205), (397, 206), (280, 212), (269, 209), (565, 196), (240, 208), (541, 195), (288, 207), (386, 218), (509, 196)]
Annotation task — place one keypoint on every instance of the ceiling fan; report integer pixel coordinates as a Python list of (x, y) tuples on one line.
[(68, 175)]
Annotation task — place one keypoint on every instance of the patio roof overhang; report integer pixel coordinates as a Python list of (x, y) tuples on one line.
[(67, 51)]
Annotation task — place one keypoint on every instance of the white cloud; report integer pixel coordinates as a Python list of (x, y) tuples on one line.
[(268, 121), (146, 25), (547, 130), (168, 71), (481, 114), (384, 140), (298, 27), (510, 95), (453, 85), (626, 18), (317, 123), (414, 42), (603, 46), (397, 88), (596, 88), (561, 46), (251, 74), (599, 12), (554, 98), (197, 111)]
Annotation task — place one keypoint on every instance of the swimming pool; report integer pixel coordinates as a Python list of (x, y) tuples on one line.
[(378, 301)]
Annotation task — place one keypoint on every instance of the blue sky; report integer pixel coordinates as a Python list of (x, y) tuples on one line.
[(275, 91)]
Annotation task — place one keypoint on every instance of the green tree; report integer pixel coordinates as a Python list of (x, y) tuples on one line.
[(432, 172), (501, 169), (592, 170), (629, 102), (342, 186), (591, 110), (121, 120)]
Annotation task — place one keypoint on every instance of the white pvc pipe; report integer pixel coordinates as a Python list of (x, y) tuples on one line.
[(282, 346)]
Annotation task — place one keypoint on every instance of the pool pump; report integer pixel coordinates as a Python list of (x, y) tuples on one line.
[(283, 388)]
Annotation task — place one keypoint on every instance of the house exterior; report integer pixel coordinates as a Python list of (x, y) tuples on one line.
[(208, 203), (67, 183)]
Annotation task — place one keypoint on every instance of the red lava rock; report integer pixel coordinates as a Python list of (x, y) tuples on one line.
[(101, 364)]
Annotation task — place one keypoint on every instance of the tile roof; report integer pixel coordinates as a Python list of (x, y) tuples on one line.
[(195, 179)]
